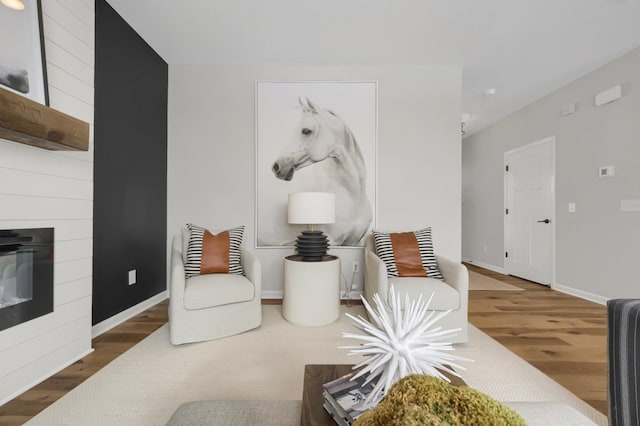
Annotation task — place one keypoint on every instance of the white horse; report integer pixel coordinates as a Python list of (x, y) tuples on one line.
[(324, 143)]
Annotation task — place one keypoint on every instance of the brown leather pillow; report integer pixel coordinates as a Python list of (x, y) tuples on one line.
[(407, 254), (209, 253)]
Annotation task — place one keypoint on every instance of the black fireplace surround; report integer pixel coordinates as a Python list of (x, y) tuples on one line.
[(26, 275)]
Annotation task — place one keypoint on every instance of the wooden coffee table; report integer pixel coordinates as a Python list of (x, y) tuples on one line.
[(315, 375)]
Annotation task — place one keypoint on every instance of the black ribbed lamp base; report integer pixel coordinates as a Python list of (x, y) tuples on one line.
[(312, 245)]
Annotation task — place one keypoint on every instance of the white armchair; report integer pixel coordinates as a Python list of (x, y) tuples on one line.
[(452, 293), (211, 306)]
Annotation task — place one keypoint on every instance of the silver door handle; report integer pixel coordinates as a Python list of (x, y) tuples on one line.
[(544, 221)]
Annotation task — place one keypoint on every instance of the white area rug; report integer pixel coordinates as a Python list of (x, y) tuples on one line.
[(483, 282), (147, 383)]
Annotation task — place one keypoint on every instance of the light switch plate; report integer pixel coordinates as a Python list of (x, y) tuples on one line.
[(632, 205), (132, 277), (572, 207)]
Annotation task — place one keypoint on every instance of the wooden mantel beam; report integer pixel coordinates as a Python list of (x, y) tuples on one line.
[(25, 121)]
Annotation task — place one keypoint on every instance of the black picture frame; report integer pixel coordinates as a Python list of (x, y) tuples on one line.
[(23, 65)]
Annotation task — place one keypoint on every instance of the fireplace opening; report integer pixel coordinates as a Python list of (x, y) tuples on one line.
[(26, 275)]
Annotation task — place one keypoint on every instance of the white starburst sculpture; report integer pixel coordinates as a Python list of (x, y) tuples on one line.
[(399, 343)]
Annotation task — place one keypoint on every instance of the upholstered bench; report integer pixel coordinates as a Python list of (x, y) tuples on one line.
[(222, 413), (285, 413), (549, 413)]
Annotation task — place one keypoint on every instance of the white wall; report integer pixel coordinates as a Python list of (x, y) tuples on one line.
[(212, 151), (40, 188), (598, 246)]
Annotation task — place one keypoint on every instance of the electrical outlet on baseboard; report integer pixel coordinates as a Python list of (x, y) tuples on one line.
[(353, 294)]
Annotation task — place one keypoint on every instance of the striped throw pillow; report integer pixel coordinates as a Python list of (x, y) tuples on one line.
[(407, 254), (213, 254)]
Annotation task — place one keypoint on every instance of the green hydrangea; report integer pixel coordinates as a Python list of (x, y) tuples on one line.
[(425, 400)]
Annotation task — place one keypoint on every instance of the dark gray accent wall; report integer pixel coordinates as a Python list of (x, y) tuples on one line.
[(130, 167)]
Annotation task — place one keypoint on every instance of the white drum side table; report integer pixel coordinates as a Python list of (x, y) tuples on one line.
[(311, 291)]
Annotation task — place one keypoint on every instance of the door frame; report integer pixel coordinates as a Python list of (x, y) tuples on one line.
[(548, 140)]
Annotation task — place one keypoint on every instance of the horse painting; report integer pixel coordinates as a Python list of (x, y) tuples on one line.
[(326, 148)]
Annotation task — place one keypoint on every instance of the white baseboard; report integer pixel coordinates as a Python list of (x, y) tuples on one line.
[(580, 293), (45, 376), (485, 265), (271, 294), (558, 287), (354, 295), (109, 323)]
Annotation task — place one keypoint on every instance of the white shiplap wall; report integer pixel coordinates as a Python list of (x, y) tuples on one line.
[(40, 188)]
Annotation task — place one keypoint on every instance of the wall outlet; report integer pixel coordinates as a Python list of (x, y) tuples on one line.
[(132, 277), (356, 266), (632, 205), (568, 109)]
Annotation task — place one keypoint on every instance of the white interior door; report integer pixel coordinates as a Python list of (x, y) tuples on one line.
[(529, 211)]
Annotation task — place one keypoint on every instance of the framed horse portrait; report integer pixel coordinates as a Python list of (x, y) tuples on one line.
[(316, 136), (22, 60)]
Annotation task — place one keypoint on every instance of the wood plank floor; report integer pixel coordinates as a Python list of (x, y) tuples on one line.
[(563, 336), (107, 347)]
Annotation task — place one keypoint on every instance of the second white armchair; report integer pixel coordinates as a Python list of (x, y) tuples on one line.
[(450, 293)]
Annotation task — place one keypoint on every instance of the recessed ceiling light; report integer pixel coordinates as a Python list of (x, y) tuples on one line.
[(13, 4)]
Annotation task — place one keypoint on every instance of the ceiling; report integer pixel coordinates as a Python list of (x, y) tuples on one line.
[(523, 48)]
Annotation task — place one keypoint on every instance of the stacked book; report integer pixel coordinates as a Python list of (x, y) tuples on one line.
[(344, 398)]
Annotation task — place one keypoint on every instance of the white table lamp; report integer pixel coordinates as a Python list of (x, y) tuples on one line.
[(312, 208)]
